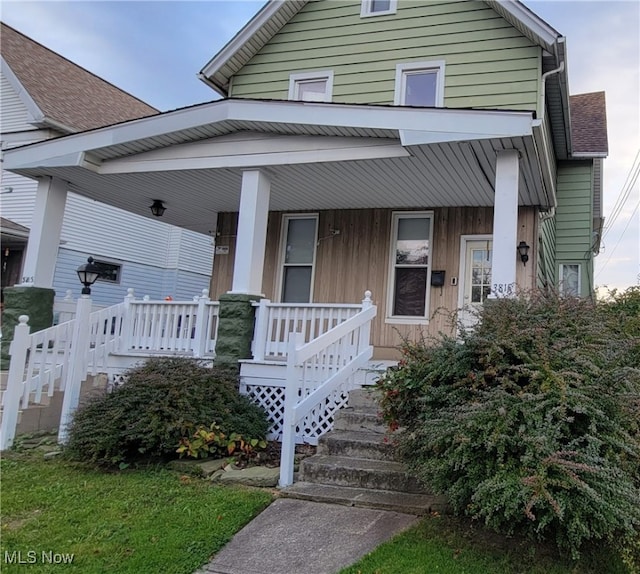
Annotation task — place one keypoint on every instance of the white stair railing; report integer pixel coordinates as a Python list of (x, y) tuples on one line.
[(274, 322), (322, 371)]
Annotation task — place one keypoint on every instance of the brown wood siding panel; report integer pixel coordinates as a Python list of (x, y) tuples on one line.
[(358, 259)]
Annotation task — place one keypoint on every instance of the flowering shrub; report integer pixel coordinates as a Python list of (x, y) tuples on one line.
[(529, 422)]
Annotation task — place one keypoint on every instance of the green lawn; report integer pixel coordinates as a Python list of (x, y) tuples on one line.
[(135, 521), (444, 545), (160, 522)]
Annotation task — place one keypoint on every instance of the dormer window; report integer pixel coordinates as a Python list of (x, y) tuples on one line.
[(311, 86), (378, 7), (420, 84)]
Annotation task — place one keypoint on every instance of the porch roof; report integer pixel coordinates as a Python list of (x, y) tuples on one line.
[(318, 156)]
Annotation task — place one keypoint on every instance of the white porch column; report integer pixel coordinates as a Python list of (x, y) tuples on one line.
[(505, 225), (44, 237), (252, 233)]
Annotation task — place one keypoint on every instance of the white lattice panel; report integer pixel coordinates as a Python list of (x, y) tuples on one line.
[(318, 422), (271, 399)]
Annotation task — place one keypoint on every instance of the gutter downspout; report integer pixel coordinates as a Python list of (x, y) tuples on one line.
[(543, 109), (543, 80)]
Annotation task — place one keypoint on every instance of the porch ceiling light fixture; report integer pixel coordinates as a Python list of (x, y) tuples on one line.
[(157, 208), (88, 274), (523, 251)]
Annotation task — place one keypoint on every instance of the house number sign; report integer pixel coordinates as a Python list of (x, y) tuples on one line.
[(503, 289)]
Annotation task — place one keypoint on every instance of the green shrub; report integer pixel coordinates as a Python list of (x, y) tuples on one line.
[(150, 413), (530, 421)]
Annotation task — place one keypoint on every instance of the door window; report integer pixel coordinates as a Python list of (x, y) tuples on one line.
[(478, 272)]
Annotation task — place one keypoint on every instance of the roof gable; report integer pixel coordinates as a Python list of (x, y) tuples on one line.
[(61, 93), (276, 13)]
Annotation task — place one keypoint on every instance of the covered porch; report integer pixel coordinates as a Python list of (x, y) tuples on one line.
[(236, 168)]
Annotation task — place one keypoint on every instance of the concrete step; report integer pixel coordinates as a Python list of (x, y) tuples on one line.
[(358, 473), (350, 419), (407, 503), (364, 399), (369, 445)]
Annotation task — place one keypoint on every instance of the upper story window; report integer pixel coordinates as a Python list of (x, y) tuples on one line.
[(420, 84), (378, 7), (311, 86)]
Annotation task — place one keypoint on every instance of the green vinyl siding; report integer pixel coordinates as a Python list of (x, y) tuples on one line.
[(489, 64), (574, 216), (546, 272)]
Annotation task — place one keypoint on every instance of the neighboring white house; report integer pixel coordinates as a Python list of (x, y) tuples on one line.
[(45, 96)]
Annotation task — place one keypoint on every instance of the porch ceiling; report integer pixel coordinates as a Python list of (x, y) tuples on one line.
[(339, 163)]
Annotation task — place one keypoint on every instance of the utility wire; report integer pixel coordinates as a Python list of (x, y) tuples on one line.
[(619, 239), (624, 194)]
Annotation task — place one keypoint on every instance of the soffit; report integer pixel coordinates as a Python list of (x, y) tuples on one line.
[(436, 175)]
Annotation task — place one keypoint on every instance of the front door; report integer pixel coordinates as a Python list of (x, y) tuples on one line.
[(475, 277)]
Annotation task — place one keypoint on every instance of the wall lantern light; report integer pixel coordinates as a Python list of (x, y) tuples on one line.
[(523, 251), (157, 208), (88, 274)]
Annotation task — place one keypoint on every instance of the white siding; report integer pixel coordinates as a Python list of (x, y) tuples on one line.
[(111, 232), (14, 115), (196, 252), (173, 247), (150, 280), (189, 284), (144, 279), (17, 205)]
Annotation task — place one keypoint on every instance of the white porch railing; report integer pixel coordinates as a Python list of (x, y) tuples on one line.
[(332, 342), (179, 327), (61, 357), (275, 321), (320, 373), (65, 309)]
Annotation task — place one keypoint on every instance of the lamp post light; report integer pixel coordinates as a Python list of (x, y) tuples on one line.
[(88, 273)]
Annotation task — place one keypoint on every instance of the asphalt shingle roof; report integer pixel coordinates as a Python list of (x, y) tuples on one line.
[(65, 92), (589, 123)]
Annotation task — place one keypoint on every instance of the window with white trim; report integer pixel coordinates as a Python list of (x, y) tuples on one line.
[(298, 257), (410, 266), (420, 84), (311, 86), (378, 7), (570, 283)]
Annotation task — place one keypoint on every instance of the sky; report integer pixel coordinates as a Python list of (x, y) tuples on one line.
[(154, 49)]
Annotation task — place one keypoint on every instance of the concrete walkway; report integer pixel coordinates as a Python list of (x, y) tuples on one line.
[(300, 537)]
